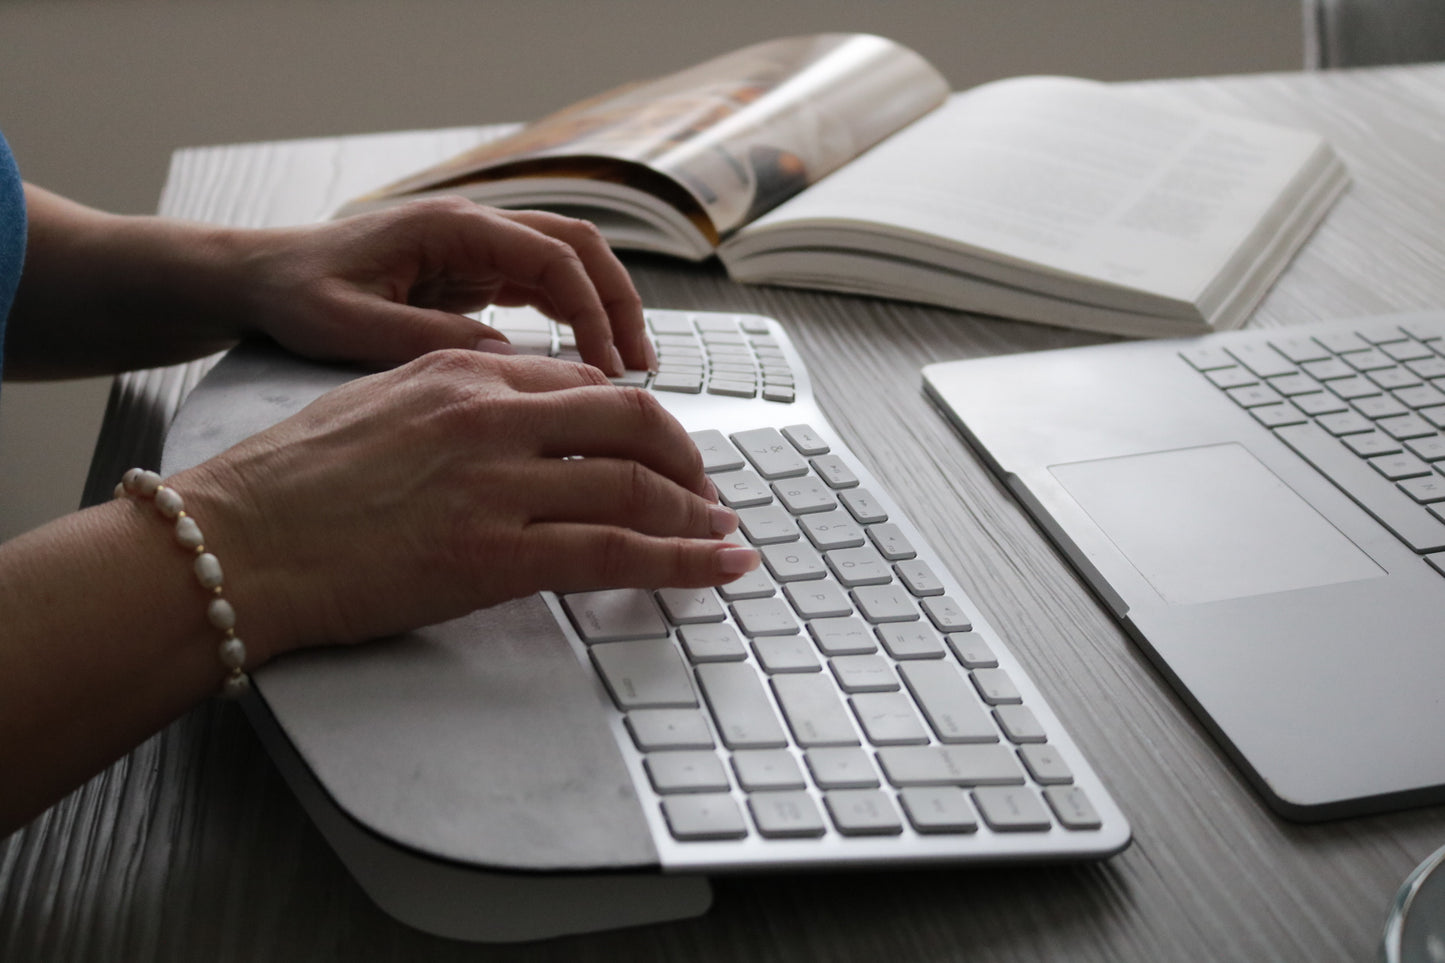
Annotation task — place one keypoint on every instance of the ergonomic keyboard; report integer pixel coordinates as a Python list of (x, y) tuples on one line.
[(845, 703), (1363, 404)]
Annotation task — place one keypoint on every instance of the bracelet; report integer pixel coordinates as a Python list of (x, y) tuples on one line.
[(142, 484)]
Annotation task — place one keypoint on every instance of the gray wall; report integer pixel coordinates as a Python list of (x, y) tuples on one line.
[(94, 96)]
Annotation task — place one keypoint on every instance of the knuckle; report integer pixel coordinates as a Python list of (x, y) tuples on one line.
[(614, 557)]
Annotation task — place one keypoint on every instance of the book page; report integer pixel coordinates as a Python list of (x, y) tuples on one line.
[(1072, 176), (740, 133)]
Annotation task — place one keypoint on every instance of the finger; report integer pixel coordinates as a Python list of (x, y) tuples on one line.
[(626, 494), (627, 423), (383, 333), (579, 557), (553, 273), (621, 304)]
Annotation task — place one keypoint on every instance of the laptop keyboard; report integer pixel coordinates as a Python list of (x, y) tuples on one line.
[(1366, 407), (843, 702)]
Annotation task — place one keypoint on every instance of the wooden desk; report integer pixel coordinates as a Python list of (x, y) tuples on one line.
[(193, 849)]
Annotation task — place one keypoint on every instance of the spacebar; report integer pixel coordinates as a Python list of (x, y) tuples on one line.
[(1411, 523)]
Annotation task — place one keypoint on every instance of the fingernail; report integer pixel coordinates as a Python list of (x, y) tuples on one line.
[(709, 490), (494, 346), (737, 561), (617, 364), (722, 519), (651, 354)]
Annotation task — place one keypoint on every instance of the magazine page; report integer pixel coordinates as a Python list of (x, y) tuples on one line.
[(739, 134), (1052, 177)]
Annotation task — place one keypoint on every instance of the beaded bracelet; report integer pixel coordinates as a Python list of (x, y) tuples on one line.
[(143, 484)]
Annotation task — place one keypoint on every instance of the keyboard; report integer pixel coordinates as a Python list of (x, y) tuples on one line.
[(1364, 404), (846, 703)]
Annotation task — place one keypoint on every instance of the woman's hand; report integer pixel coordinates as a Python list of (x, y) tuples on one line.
[(105, 293), (454, 482), (385, 287)]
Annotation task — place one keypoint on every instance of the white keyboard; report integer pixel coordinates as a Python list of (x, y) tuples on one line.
[(846, 703)]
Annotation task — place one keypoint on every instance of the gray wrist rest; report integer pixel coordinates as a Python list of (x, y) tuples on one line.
[(478, 741)]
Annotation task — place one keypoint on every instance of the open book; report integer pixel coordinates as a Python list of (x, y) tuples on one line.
[(842, 162)]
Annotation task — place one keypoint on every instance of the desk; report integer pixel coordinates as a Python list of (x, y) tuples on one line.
[(192, 848)]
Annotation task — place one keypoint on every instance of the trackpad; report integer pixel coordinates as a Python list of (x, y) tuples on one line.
[(1212, 523)]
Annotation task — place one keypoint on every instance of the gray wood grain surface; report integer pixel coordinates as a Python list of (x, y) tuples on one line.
[(191, 848)]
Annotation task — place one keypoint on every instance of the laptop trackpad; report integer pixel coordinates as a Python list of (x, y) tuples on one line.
[(1212, 523)]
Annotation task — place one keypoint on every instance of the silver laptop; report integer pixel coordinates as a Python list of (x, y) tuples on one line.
[(1264, 512)]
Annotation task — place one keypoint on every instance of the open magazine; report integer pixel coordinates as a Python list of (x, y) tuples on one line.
[(842, 162)]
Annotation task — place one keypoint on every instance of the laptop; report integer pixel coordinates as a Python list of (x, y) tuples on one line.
[(1264, 512)]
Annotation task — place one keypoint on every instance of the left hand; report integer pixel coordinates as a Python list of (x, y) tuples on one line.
[(387, 286)]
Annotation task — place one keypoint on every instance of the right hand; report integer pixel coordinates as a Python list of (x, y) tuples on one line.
[(455, 482)]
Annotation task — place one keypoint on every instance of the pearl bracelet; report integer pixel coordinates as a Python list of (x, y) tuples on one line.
[(142, 484)]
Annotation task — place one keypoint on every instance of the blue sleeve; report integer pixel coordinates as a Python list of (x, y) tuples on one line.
[(12, 236)]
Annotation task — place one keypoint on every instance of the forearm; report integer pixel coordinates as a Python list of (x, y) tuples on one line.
[(103, 641), (103, 293)]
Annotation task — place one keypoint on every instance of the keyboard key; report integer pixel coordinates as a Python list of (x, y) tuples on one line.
[(644, 674), (910, 640), (835, 471), (680, 383), (842, 636), (688, 606), (769, 616), (1011, 809), (742, 489), (1045, 764), (938, 809), (1430, 488), (919, 578), (706, 816), (786, 653), (786, 815), (762, 769), (770, 453), (865, 508), (859, 566), (1400, 465), (669, 729), (862, 812), (1019, 724), (805, 439), (972, 650), (711, 642), (672, 772), (814, 711), (950, 704), (817, 599), (750, 585), (992, 765), (792, 562), (866, 673), (891, 542), (1072, 806), (889, 719), (945, 614), (842, 768), (804, 495), (767, 525), (1262, 359), (884, 603), (613, 614), (741, 709), (1407, 426), (995, 686), (1273, 416), (829, 530), (1371, 443)]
